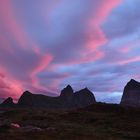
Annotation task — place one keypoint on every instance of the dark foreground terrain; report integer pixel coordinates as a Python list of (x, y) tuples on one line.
[(96, 122)]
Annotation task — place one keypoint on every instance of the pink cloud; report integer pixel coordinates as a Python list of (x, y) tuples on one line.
[(42, 65), (126, 49), (20, 69), (10, 22), (129, 60), (105, 9), (9, 86), (129, 47), (95, 35), (17, 74)]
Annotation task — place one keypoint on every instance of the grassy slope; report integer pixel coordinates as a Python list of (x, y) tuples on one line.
[(97, 122)]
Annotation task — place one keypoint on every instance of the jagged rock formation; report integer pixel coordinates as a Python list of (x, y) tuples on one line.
[(67, 99), (8, 102), (131, 94), (67, 92), (78, 99)]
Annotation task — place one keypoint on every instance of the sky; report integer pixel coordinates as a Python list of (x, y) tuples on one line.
[(47, 44)]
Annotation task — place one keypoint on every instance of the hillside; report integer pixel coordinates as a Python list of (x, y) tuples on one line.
[(96, 122)]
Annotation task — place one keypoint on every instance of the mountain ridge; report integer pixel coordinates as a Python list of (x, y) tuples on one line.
[(68, 99)]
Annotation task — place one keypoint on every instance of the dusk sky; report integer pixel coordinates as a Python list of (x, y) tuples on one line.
[(47, 44)]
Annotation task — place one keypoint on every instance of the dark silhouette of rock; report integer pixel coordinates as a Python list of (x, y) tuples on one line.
[(67, 99), (84, 97), (8, 102), (28, 99), (131, 94), (67, 96), (67, 92)]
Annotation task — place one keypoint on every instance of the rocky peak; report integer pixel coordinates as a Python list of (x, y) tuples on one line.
[(132, 84), (131, 94), (26, 93), (67, 91), (8, 102), (84, 97), (133, 81), (69, 88), (25, 98), (85, 92)]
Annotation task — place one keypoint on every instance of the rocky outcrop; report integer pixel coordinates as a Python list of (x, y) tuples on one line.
[(67, 92), (67, 99), (131, 94), (78, 99), (84, 98), (28, 99), (8, 102)]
